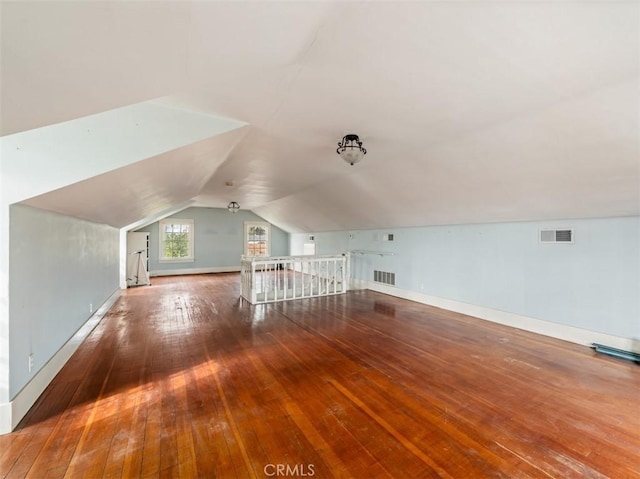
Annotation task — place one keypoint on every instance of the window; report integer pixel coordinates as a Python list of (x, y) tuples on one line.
[(256, 236), (309, 249), (176, 240)]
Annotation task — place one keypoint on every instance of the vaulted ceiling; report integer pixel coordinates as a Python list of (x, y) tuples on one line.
[(470, 111)]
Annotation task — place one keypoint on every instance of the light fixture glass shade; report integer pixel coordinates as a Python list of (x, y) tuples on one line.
[(350, 149), (351, 156), (233, 207)]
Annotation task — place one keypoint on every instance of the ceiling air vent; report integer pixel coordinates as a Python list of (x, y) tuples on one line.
[(556, 236), (384, 277)]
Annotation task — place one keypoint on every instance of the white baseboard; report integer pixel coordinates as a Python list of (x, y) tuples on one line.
[(12, 413), (5, 418), (176, 272), (539, 326)]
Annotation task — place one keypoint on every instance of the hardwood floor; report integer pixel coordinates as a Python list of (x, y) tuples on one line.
[(181, 379)]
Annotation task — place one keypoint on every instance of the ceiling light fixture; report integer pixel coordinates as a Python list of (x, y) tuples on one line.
[(350, 149), (233, 207)]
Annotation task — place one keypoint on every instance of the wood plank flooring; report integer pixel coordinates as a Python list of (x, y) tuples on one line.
[(182, 379)]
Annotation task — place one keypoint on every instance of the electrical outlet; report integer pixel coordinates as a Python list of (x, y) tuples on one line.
[(30, 362)]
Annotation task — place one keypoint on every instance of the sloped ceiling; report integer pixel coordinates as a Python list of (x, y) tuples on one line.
[(118, 166), (125, 195), (470, 111)]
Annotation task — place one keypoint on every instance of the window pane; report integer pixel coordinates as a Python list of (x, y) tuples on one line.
[(176, 245), (176, 241), (257, 248), (257, 240)]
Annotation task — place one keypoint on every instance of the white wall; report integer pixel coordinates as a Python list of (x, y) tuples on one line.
[(592, 284), (5, 413), (61, 269)]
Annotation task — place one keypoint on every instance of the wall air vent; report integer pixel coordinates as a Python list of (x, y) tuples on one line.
[(384, 277), (564, 235), (387, 237), (312, 238)]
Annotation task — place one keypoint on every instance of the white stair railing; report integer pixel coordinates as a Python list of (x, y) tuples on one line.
[(282, 278)]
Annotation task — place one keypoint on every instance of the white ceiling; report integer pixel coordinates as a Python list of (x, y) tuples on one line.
[(470, 111)]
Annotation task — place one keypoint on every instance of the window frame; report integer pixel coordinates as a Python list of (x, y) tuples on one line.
[(190, 258), (245, 238)]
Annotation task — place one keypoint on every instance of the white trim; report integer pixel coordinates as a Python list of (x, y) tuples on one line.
[(177, 272), (266, 226), (177, 260), (539, 326), (5, 418), (12, 413), (161, 240)]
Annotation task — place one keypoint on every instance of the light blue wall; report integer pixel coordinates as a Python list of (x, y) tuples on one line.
[(218, 239), (58, 266), (593, 283)]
